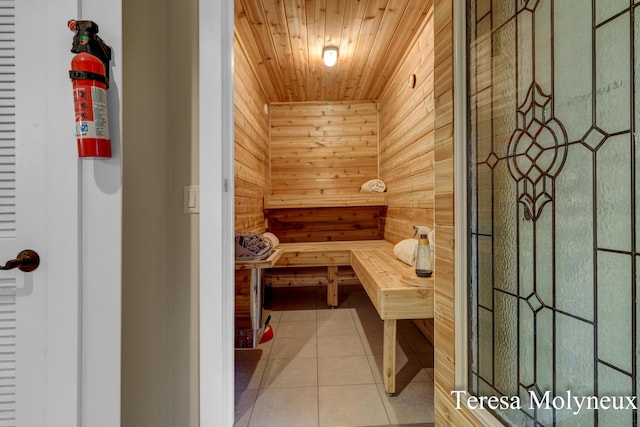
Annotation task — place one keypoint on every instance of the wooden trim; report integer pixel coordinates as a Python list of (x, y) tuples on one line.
[(460, 195)]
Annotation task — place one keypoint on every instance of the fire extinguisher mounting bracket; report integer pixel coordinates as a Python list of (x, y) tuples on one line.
[(87, 40), (87, 75)]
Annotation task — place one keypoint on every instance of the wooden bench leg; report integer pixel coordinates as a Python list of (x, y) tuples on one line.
[(332, 286), (389, 356)]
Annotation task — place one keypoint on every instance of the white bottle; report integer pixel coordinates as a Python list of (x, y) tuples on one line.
[(423, 252)]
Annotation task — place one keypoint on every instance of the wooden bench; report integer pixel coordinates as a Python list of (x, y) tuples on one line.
[(392, 286), (324, 254)]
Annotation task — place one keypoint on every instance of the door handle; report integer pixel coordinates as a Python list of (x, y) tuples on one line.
[(26, 261)]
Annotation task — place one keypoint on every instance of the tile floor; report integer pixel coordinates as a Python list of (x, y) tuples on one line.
[(323, 366)]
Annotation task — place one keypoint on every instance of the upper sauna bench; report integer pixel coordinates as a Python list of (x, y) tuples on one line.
[(324, 200)]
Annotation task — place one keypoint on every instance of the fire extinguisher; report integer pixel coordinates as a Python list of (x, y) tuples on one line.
[(90, 78)]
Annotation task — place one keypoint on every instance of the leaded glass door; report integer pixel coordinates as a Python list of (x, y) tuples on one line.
[(553, 183)]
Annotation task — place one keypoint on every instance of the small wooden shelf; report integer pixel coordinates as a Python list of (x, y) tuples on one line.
[(242, 264), (324, 200)]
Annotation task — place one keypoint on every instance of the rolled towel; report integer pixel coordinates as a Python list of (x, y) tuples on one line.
[(405, 251), (373, 186), (271, 238)]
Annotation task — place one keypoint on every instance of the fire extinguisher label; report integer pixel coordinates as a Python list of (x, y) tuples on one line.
[(91, 112)]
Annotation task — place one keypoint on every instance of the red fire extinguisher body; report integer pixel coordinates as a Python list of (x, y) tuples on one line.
[(90, 102)]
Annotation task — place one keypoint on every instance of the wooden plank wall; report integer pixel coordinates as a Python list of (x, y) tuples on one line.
[(444, 302), (322, 224), (251, 138), (323, 148), (406, 144), (406, 140), (251, 163)]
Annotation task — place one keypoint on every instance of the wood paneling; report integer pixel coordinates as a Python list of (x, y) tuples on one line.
[(251, 135), (322, 224), (323, 148), (284, 40), (251, 164), (321, 154), (407, 139), (445, 320)]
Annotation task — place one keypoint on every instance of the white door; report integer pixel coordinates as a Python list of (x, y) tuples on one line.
[(59, 325), (39, 311)]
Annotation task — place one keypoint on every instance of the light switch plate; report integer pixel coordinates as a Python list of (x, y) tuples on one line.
[(192, 199)]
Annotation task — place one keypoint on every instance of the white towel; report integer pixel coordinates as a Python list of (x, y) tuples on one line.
[(373, 186), (271, 238), (405, 251)]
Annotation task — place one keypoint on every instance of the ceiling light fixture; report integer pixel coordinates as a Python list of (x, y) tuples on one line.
[(330, 55)]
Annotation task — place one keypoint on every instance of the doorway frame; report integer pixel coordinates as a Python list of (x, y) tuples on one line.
[(216, 156)]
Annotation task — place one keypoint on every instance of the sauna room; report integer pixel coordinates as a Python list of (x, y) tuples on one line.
[(334, 212)]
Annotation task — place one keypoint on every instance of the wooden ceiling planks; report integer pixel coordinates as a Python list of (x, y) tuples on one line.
[(284, 39)]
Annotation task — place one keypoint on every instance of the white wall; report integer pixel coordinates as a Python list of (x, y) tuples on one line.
[(145, 282), (159, 330)]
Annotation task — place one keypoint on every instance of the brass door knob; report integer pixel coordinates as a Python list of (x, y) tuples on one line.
[(26, 261)]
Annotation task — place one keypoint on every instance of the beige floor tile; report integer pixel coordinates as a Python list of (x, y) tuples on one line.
[(298, 316), (248, 373), (373, 344), (335, 346), (335, 314), (337, 327), (344, 370), (291, 348), (306, 328), (351, 405), (413, 404), (281, 373), (286, 407), (356, 298), (275, 316), (266, 347), (323, 367), (244, 400), (431, 373), (407, 370)]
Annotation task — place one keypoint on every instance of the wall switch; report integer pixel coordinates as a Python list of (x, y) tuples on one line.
[(192, 199)]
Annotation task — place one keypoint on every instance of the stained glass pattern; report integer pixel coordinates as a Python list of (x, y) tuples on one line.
[(554, 183)]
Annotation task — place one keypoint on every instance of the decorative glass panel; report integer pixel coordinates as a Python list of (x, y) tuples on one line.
[(574, 242), (554, 179), (614, 309), (613, 194)]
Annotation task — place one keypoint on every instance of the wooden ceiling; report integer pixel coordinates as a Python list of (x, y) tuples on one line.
[(284, 39)]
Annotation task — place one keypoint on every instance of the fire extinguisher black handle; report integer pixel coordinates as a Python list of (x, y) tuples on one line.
[(87, 40)]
